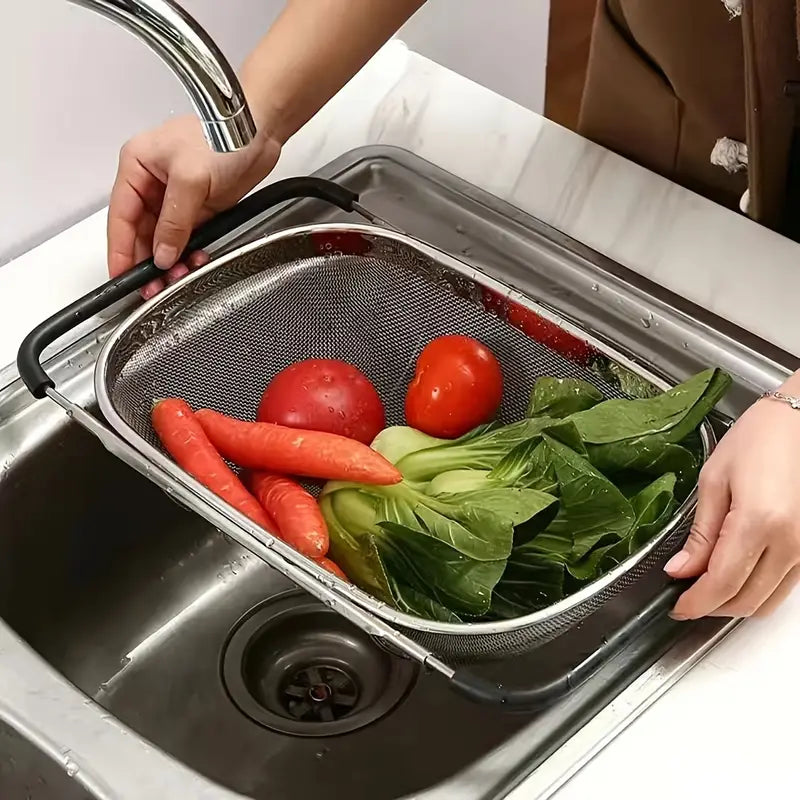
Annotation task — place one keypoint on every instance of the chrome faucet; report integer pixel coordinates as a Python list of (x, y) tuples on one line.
[(197, 62)]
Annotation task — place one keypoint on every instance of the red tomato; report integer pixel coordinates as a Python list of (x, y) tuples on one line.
[(457, 386), (324, 395), (536, 327), (551, 335)]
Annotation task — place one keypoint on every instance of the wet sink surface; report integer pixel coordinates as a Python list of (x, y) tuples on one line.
[(27, 774)]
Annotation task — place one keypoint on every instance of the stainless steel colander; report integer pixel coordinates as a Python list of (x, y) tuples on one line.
[(372, 296)]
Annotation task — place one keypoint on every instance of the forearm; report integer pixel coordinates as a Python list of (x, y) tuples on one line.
[(311, 51)]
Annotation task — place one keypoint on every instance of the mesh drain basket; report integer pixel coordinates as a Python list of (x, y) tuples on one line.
[(374, 297)]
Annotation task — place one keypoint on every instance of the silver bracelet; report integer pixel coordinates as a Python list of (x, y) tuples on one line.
[(794, 402)]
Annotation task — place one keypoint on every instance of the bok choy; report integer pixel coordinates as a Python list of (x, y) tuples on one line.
[(512, 518)]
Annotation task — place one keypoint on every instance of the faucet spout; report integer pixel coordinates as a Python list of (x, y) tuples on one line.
[(197, 62)]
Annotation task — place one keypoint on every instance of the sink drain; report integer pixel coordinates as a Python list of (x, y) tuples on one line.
[(295, 666), (321, 693)]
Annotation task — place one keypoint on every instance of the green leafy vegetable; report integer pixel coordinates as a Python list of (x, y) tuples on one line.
[(528, 511), (560, 397), (648, 456), (512, 518), (644, 436), (532, 580), (529, 464), (418, 604), (438, 571), (654, 507), (673, 415), (351, 547), (516, 505), (466, 527), (399, 441), (378, 533), (483, 448), (593, 511), (461, 480)]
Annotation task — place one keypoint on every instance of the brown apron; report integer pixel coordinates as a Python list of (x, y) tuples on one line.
[(667, 79)]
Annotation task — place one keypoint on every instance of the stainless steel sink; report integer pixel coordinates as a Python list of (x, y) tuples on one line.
[(202, 650), (132, 599)]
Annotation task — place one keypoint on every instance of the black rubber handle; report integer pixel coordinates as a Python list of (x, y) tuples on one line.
[(532, 698), (30, 351)]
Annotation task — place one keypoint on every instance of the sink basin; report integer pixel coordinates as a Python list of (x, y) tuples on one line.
[(214, 657), (133, 599), (198, 647)]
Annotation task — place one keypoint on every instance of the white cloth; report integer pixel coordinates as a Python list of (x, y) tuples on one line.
[(729, 154), (734, 7)]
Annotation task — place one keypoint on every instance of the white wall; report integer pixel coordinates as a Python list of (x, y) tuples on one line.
[(79, 87)]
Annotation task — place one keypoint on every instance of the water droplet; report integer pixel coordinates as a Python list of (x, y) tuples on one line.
[(104, 686), (124, 661), (686, 345), (645, 322), (460, 229), (595, 287), (71, 767)]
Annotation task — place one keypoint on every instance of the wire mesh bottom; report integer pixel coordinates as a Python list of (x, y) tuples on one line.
[(365, 298)]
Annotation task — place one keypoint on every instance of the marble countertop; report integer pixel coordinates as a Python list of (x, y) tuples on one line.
[(718, 733)]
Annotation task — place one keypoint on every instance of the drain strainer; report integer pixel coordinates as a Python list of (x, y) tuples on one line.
[(322, 693), (295, 666)]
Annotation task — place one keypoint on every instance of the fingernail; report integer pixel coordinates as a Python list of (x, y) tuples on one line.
[(677, 562), (198, 259), (176, 273), (151, 289), (677, 617), (165, 256)]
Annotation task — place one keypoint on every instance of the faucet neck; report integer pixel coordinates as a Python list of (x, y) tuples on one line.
[(194, 58)]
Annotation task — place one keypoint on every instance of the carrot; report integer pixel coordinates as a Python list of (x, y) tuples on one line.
[(296, 513), (289, 451), (329, 565), (184, 439)]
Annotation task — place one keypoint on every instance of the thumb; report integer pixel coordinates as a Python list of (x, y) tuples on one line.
[(183, 200), (713, 504)]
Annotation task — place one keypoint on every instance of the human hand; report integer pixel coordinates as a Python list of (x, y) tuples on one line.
[(745, 540), (168, 181)]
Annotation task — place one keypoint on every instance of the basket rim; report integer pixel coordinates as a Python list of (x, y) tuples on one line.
[(338, 588)]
